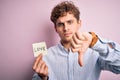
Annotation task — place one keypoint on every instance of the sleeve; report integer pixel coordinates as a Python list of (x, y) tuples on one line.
[(109, 52), (36, 77)]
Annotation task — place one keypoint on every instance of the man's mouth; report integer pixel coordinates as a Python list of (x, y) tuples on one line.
[(67, 34)]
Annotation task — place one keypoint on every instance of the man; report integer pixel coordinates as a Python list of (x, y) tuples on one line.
[(79, 55)]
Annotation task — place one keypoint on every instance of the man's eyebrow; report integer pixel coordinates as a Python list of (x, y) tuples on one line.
[(70, 20), (60, 23), (65, 21)]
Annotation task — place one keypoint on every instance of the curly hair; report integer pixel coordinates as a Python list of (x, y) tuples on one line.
[(62, 9)]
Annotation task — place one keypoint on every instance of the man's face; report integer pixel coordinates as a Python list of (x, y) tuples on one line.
[(66, 26)]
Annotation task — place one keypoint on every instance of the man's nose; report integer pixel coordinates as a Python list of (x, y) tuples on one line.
[(65, 27)]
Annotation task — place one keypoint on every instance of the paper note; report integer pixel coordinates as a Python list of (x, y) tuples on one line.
[(39, 48)]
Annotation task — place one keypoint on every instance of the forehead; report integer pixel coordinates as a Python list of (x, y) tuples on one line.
[(66, 17)]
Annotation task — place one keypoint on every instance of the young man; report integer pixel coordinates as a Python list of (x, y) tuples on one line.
[(79, 55)]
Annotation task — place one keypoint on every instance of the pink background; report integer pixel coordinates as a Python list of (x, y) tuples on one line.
[(23, 22)]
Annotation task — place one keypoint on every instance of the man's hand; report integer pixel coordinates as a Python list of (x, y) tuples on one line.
[(80, 43), (40, 67)]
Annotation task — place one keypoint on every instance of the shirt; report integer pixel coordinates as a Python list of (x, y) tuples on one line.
[(63, 64)]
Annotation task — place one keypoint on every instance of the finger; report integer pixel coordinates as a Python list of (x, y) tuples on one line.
[(37, 61), (42, 66), (74, 45), (46, 70), (39, 67), (79, 36), (75, 49), (76, 40), (80, 58), (39, 57), (87, 36)]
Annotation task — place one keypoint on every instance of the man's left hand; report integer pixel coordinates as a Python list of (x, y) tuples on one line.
[(80, 43)]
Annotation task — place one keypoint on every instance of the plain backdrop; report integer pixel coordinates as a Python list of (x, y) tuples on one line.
[(24, 22)]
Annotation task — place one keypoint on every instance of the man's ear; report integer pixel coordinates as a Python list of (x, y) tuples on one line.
[(79, 24), (55, 28)]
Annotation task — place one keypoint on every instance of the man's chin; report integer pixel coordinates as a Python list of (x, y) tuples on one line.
[(67, 40)]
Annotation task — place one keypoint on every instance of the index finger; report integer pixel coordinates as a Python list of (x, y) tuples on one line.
[(83, 36), (86, 35), (79, 35)]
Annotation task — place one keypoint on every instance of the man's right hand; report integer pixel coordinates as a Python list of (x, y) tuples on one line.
[(40, 67)]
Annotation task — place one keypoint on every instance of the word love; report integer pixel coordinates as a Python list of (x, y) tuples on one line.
[(39, 48)]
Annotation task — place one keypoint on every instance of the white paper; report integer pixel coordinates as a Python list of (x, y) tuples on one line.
[(39, 48)]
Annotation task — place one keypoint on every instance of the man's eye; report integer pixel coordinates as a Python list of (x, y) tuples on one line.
[(70, 22), (60, 24)]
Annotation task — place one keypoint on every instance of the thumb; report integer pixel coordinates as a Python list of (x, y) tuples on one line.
[(80, 58)]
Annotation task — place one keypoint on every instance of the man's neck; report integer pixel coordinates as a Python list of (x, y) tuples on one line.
[(66, 44)]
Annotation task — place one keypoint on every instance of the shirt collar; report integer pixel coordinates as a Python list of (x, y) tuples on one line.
[(63, 48)]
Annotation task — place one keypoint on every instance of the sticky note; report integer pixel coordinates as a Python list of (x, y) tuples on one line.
[(39, 48)]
